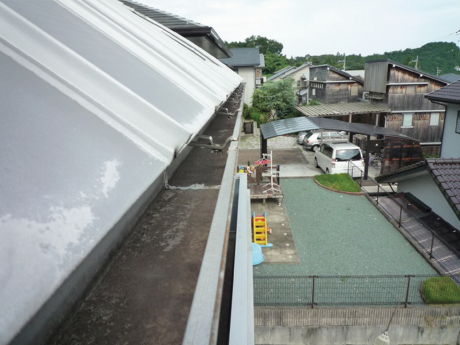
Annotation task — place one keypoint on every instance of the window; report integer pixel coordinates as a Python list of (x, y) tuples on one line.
[(354, 90), (410, 90), (434, 119), (347, 155), (457, 128), (327, 150), (407, 120)]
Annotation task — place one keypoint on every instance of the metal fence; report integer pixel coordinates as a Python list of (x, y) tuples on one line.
[(340, 291), (426, 240)]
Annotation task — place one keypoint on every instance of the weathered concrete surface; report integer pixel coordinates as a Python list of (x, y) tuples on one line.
[(417, 326), (284, 250), (356, 335)]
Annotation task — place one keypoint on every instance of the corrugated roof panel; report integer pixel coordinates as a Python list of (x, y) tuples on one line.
[(94, 103), (155, 78)]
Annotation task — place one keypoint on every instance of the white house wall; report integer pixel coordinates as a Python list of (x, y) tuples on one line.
[(249, 76), (95, 103), (425, 189), (451, 139)]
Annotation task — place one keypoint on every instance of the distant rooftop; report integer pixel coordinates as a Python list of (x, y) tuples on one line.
[(452, 77), (244, 57), (203, 36), (342, 73)]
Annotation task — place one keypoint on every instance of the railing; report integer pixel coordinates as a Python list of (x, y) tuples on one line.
[(340, 291), (424, 237), (354, 170)]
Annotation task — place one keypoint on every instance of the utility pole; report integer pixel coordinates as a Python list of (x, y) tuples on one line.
[(344, 62), (416, 62), (438, 71)]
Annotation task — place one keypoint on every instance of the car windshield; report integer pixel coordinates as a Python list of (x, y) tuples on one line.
[(309, 134), (348, 155)]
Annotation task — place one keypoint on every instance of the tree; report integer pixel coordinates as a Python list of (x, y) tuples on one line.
[(274, 62), (264, 44), (276, 98)]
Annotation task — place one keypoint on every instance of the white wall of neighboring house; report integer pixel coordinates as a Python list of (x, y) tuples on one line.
[(451, 139), (425, 189), (249, 76)]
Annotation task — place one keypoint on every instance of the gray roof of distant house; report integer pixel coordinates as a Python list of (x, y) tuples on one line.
[(449, 94), (202, 35), (452, 77), (340, 72), (243, 57), (288, 73), (281, 72)]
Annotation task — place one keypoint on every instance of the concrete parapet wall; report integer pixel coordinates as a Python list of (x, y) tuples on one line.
[(428, 325)]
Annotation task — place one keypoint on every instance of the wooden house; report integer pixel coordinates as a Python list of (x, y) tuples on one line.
[(436, 182), (402, 89), (330, 85)]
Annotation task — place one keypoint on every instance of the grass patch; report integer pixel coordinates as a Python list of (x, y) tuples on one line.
[(440, 290), (341, 182)]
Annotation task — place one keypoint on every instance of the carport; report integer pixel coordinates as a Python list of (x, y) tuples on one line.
[(298, 124)]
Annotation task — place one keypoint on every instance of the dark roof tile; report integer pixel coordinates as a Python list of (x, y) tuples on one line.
[(446, 173), (243, 57), (449, 93)]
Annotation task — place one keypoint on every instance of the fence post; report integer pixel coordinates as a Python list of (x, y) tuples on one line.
[(407, 292), (378, 193), (400, 215), (431, 250), (313, 293)]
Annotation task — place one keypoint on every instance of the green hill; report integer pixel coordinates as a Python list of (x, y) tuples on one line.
[(431, 57)]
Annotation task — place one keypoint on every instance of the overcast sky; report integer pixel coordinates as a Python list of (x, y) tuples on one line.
[(326, 26)]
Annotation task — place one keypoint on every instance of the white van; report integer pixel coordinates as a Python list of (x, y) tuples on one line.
[(333, 158)]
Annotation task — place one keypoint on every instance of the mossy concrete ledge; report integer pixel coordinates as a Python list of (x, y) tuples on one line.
[(335, 190)]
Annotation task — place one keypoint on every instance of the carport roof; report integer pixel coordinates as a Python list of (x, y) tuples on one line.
[(297, 124), (341, 109)]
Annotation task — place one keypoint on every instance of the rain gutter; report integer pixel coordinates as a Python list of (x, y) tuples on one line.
[(203, 321)]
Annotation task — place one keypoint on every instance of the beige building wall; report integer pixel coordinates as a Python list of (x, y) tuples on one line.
[(297, 75), (249, 77)]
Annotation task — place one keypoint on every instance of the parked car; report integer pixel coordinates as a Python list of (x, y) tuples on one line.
[(313, 139), (301, 137), (333, 158)]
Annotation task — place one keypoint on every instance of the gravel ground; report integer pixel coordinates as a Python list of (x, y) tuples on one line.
[(248, 142), (339, 234)]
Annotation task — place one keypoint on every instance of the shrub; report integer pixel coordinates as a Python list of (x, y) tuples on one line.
[(440, 290), (246, 111)]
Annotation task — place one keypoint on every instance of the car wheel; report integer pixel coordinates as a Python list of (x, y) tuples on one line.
[(327, 171), (314, 148), (316, 163)]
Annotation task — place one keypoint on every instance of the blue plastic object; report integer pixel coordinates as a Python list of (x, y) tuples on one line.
[(257, 255)]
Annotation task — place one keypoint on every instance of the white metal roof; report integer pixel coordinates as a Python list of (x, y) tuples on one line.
[(94, 104)]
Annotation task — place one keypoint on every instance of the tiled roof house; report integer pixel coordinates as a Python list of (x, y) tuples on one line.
[(436, 181)]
